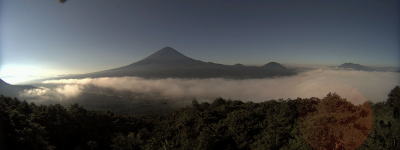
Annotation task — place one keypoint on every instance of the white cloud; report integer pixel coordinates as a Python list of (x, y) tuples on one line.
[(356, 86), (69, 90)]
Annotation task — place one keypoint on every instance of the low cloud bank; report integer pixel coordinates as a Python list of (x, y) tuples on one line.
[(356, 86)]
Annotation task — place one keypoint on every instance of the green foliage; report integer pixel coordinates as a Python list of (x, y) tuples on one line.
[(386, 133), (222, 124), (394, 101), (17, 128)]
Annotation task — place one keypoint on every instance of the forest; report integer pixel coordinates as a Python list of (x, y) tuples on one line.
[(330, 123)]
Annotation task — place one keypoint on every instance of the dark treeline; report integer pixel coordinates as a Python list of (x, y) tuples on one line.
[(328, 123)]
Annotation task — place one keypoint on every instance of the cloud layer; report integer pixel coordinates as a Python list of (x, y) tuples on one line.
[(356, 86)]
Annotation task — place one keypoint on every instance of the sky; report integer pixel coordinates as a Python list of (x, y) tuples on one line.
[(46, 38)]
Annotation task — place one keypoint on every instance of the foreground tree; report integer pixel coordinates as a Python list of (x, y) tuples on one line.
[(386, 133), (394, 101), (337, 124), (329, 123)]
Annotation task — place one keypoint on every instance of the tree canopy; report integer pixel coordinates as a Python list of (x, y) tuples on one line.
[(311, 123)]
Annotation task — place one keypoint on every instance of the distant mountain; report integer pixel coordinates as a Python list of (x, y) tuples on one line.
[(2, 83), (275, 67), (359, 67), (239, 65), (167, 56), (12, 90), (169, 63), (355, 67)]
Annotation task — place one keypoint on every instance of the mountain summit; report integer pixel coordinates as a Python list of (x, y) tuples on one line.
[(354, 66), (274, 65), (166, 52), (169, 63), (166, 55)]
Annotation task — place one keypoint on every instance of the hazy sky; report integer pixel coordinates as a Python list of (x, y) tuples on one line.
[(45, 37)]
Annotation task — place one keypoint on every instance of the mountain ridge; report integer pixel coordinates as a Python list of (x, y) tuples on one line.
[(170, 63), (12, 90), (3, 83), (165, 55), (355, 66)]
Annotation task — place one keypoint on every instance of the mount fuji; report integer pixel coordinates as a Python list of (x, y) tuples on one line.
[(169, 63)]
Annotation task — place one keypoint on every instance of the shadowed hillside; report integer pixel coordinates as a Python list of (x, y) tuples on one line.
[(12, 90)]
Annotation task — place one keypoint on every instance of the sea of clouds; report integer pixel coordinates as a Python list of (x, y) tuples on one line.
[(356, 86)]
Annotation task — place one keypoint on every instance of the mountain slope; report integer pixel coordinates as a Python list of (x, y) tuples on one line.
[(359, 67), (169, 63), (355, 67), (166, 55), (275, 67), (12, 90)]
